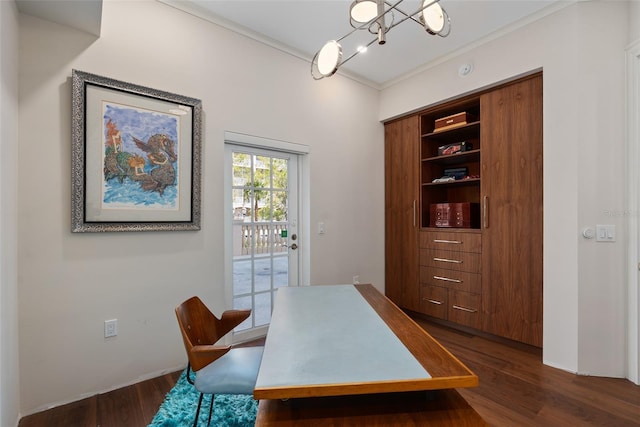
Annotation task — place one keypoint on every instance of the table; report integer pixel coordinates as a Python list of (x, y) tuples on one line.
[(347, 351)]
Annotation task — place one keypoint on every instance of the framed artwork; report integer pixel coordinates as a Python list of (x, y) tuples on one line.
[(135, 157)]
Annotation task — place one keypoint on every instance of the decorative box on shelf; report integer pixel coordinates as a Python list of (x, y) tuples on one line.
[(453, 121), (456, 173), (457, 147), (455, 215)]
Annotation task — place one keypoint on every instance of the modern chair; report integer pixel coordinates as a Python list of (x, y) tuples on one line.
[(218, 369)]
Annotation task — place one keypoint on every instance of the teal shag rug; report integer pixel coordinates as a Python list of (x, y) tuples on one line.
[(180, 404)]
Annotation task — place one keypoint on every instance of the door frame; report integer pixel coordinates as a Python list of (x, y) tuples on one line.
[(302, 152), (633, 211)]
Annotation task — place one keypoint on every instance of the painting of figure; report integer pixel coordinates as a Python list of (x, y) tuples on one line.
[(140, 158), (135, 157)]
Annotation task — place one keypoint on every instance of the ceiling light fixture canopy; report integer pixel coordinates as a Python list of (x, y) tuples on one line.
[(372, 15)]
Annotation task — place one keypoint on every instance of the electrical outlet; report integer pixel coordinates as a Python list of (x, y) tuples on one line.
[(356, 280), (110, 328)]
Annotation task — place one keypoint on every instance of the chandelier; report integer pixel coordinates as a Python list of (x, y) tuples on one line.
[(371, 15)]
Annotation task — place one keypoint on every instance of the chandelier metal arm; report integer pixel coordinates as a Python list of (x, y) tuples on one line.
[(356, 52), (412, 16)]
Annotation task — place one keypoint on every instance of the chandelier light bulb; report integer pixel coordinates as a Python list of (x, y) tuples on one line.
[(432, 17), (329, 57), (363, 11)]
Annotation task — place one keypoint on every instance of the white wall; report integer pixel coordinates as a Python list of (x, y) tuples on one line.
[(584, 146), (70, 283), (634, 21), (9, 380)]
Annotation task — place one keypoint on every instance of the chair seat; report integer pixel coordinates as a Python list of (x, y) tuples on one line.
[(234, 373)]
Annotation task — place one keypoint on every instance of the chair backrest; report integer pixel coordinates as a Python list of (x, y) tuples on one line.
[(201, 329)]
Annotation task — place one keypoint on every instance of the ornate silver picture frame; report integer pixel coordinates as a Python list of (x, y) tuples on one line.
[(135, 157)]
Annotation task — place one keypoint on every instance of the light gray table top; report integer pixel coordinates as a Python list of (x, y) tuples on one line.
[(330, 335)]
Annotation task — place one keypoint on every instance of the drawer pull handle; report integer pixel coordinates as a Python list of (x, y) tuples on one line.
[(454, 261), (432, 301), (453, 242), (446, 279), (468, 310)]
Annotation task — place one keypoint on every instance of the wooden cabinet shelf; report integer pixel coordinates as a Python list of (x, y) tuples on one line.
[(461, 132), (458, 182), (453, 159)]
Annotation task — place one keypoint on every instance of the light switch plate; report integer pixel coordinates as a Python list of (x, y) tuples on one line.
[(605, 233)]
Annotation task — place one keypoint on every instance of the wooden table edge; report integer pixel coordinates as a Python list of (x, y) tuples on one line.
[(344, 389)]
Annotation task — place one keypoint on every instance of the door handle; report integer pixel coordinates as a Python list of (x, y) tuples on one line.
[(485, 212), (414, 212), (293, 246)]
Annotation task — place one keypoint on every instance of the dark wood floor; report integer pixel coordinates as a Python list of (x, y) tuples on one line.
[(515, 389)]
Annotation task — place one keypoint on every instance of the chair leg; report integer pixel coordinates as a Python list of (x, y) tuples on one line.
[(195, 422), (210, 409)]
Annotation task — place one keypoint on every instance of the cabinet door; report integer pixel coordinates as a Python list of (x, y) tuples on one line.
[(402, 160), (511, 191)]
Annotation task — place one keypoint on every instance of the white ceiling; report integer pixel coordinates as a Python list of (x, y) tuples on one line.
[(301, 27)]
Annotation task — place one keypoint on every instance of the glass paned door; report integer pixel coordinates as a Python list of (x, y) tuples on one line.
[(264, 232)]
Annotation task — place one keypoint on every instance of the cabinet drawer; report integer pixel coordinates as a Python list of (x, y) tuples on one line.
[(450, 260), (433, 301), (464, 308), (450, 241), (452, 279)]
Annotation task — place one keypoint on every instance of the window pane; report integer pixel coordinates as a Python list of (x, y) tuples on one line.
[(262, 310), (280, 271), (242, 277), (277, 240), (262, 174), (243, 303), (239, 204), (241, 169), (280, 205), (280, 173), (262, 274)]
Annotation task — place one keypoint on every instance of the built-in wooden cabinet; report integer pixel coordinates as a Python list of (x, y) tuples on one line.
[(487, 276), (512, 197), (402, 175)]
